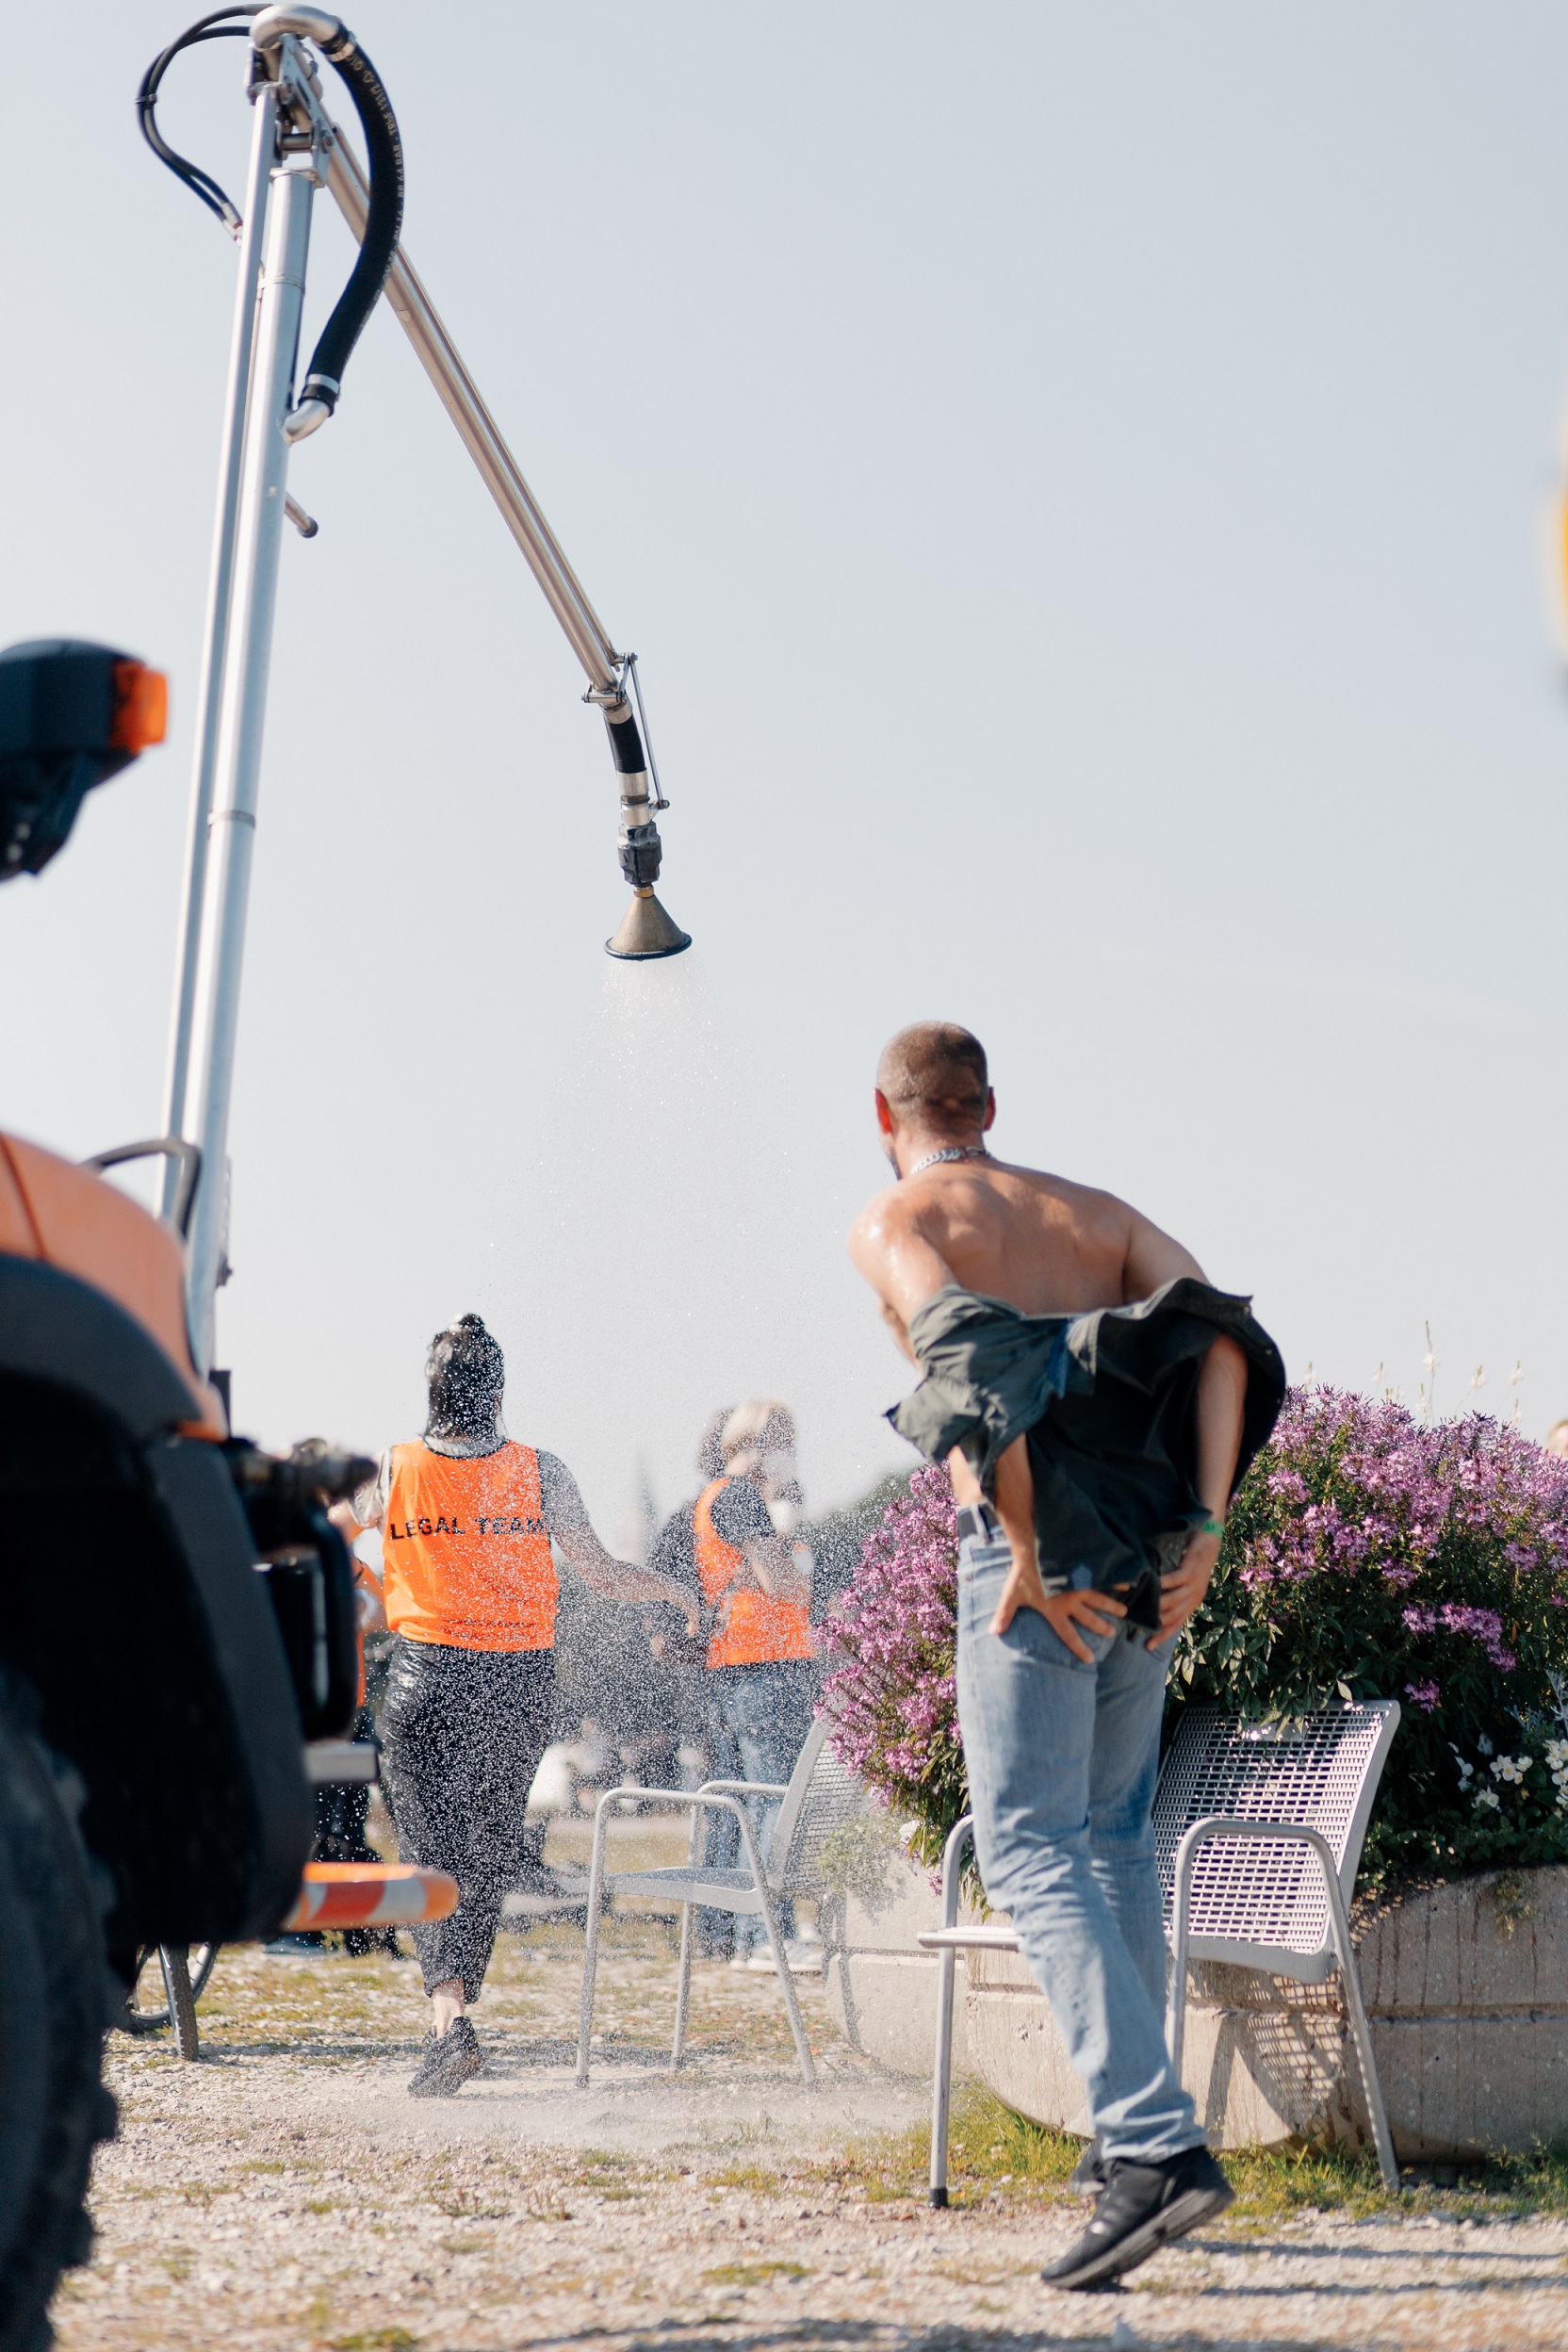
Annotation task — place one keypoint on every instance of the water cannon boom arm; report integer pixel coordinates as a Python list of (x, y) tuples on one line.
[(297, 148), (648, 930)]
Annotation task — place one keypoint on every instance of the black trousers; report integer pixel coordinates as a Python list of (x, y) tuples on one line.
[(461, 1735)]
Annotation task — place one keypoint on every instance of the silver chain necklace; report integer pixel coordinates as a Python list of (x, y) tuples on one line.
[(954, 1151)]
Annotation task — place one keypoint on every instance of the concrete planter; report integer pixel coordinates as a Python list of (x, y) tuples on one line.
[(881, 1987), (1466, 1988)]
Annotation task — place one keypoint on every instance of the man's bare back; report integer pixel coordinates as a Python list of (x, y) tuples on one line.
[(1047, 1246)]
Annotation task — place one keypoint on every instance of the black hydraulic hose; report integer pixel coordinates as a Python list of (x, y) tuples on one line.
[(383, 150), (216, 26)]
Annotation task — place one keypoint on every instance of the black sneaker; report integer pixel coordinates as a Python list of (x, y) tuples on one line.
[(1088, 2173), (1141, 2208), (448, 2062)]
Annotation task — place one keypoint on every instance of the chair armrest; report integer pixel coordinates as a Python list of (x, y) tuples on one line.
[(969, 1939), (958, 1835), (744, 1789), (710, 1800), (699, 1800)]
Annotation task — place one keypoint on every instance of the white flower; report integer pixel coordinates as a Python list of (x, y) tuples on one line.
[(1489, 1797), (1512, 1768), (1557, 1755), (1485, 1745)]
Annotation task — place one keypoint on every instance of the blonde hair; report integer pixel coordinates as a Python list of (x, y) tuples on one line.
[(750, 1423)]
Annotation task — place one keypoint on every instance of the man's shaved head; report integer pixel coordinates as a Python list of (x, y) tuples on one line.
[(934, 1076)]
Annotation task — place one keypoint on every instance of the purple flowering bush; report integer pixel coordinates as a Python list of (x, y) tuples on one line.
[(892, 1636), (1365, 1556), (1369, 1556)]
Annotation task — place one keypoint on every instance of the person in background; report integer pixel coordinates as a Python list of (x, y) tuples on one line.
[(342, 1808), (467, 1518), (1557, 1439), (762, 1675), (680, 1660), (674, 1554)]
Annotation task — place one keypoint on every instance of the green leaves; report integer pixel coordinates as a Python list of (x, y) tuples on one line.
[(1366, 1556)]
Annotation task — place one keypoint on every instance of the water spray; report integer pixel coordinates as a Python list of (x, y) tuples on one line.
[(296, 150)]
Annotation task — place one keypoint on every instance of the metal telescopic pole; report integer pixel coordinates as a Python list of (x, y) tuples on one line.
[(237, 770), (252, 235), (459, 396)]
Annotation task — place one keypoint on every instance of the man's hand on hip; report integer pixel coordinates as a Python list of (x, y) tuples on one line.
[(1182, 1594), (1064, 1612)]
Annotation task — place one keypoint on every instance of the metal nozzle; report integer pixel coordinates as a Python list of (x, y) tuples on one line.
[(647, 931)]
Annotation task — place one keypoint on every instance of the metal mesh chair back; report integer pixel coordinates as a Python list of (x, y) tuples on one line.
[(1321, 1771), (824, 1795)]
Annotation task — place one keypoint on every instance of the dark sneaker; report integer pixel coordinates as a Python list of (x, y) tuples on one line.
[(447, 2062), (1088, 2173), (1141, 2208)]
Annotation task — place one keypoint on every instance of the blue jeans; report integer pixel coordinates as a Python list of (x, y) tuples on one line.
[(758, 1717), (1062, 1762)]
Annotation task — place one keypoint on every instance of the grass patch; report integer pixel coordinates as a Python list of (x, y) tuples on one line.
[(992, 2149), (544, 2205), (750, 2176), (753, 2274), (988, 2145), (376, 2340), (611, 2176)]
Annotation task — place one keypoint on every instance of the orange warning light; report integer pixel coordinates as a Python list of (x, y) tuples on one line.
[(140, 707)]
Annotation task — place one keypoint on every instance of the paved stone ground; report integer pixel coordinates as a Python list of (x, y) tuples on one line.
[(285, 2195)]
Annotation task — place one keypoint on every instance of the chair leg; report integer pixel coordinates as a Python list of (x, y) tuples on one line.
[(1361, 2034), (792, 2003), (941, 2077), (590, 1951), (1176, 1999), (683, 1986)]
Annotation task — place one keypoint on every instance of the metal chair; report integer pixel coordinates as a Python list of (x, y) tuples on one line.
[(820, 1796), (1294, 1798), (1289, 1793)]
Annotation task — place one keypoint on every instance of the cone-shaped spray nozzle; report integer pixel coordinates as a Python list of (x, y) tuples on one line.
[(647, 931)]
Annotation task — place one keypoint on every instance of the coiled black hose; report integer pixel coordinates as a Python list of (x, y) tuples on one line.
[(384, 152), (213, 27)]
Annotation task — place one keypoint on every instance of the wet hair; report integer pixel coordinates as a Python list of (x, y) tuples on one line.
[(466, 1373), (934, 1076), (711, 1451)]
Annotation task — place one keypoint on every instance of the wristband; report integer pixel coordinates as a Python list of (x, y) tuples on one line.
[(1213, 1526)]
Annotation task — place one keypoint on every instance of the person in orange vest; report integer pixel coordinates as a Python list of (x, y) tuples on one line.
[(467, 1518), (762, 1674)]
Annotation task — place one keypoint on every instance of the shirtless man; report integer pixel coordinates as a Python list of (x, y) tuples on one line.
[(1059, 1700)]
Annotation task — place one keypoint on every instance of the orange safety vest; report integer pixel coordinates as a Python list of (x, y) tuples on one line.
[(753, 1629), (466, 1554)]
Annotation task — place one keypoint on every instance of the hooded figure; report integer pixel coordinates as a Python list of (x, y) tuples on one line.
[(470, 1521)]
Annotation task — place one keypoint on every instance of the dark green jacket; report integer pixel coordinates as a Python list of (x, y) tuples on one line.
[(1107, 1401)]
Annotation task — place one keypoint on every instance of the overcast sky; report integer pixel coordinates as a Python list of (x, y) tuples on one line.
[(1077, 482)]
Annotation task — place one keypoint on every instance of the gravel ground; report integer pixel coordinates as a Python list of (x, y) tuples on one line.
[(285, 2195)]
